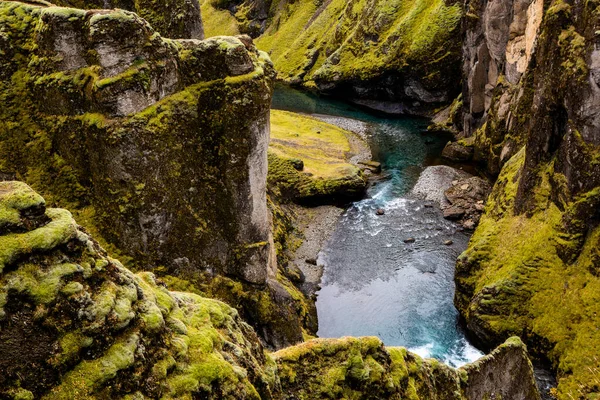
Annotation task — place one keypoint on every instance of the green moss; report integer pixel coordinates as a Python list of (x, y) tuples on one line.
[(58, 231), (217, 22), (90, 375), (324, 150), (512, 279), (16, 197)]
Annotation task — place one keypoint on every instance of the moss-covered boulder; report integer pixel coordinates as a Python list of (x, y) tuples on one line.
[(401, 51), (310, 160), (532, 265), (176, 19), (76, 324)]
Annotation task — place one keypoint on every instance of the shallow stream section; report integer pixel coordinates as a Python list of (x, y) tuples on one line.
[(374, 283)]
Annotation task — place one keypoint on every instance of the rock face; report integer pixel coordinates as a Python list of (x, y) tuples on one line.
[(371, 51), (176, 19), (532, 98), (160, 144), (147, 126), (92, 329)]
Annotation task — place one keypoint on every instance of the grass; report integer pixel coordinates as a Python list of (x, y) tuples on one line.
[(217, 22), (321, 146)]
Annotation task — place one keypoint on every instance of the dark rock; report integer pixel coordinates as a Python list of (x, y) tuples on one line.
[(380, 211), (465, 201), (294, 273), (373, 166), (311, 261), (297, 163), (455, 151)]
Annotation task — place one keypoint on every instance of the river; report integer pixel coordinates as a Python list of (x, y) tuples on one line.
[(375, 284)]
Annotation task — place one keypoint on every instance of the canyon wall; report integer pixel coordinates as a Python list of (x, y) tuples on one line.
[(532, 114), (159, 145)]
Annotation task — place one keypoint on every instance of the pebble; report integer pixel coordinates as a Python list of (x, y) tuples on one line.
[(380, 211), (311, 261), (409, 240), (448, 242)]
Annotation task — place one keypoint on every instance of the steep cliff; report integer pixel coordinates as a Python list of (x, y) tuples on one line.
[(160, 145), (403, 52), (532, 114)]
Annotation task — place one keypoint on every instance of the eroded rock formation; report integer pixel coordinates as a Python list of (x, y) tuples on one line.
[(532, 106), (175, 19), (160, 144)]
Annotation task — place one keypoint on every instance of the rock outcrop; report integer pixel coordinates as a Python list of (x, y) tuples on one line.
[(76, 324), (363, 368), (532, 107), (160, 144), (465, 201)]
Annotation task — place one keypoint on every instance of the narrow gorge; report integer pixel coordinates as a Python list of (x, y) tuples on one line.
[(275, 199)]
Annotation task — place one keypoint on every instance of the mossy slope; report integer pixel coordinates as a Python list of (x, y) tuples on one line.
[(75, 324), (532, 265), (400, 50)]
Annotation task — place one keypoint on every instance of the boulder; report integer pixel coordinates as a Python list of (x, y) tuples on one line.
[(455, 151), (465, 200), (435, 180)]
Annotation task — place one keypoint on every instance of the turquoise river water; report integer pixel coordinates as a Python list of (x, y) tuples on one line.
[(373, 282)]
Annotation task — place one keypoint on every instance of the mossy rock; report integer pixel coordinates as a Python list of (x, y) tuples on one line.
[(158, 146), (93, 329)]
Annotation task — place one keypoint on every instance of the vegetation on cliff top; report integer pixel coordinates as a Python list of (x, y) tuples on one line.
[(309, 160)]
